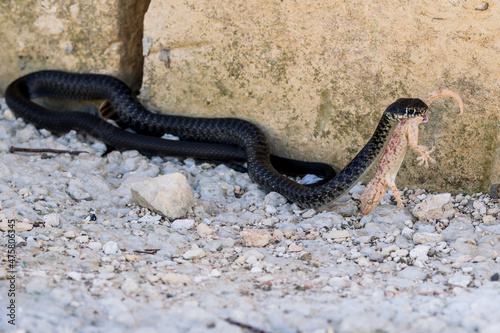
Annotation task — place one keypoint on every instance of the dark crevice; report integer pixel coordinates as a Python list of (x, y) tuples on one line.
[(131, 16)]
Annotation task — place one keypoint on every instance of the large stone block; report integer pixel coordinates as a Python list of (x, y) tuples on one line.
[(317, 75), (76, 35)]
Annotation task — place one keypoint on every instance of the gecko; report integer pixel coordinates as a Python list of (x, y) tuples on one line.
[(405, 133)]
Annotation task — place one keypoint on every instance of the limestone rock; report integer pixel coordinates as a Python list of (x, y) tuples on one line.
[(52, 220), (75, 35), (435, 207), (204, 230), (196, 253), (338, 234), (176, 278), (427, 237), (256, 237), (18, 226), (168, 195)]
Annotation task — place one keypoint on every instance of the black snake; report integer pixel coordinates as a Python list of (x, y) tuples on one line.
[(207, 138)]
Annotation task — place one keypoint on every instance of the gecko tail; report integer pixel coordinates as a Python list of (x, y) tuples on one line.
[(443, 93)]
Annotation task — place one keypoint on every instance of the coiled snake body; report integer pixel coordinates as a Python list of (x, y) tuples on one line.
[(211, 138)]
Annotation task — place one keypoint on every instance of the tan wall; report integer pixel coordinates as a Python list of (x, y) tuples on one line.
[(78, 35), (316, 75)]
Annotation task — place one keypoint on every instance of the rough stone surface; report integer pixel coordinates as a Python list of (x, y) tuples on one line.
[(169, 195), (435, 207), (175, 278), (427, 237), (338, 234), (316, 76), (256, 237), (97, 36)]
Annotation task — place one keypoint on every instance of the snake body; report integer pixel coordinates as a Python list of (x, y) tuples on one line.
[(207, 138)]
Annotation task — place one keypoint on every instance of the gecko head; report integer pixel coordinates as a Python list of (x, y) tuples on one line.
[(371, 196)]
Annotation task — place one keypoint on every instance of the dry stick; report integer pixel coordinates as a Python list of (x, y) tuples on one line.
[(245, 326), (46, 150), (147, 251)]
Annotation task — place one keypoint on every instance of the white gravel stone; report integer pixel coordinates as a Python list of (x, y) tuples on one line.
[(460, 280), (401, 253), (169, 195), (129, 285), (488, 219), (389, 249), (110, 248), (176, 278), (215, 273), (182, 224), (464, 258), (435, 207), (52, 220), (479, 206), (338, 234), (204, 230), (75, 276), (95, 246), (76, 189), (387, 271), (18, 226), (427, 237), (256, 237), (194, 254), (419, 251)]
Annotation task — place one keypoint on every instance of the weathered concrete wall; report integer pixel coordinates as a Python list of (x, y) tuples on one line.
[(76, 35), (316, 75)]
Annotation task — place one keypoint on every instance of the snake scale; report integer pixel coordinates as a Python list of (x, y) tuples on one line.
[(206, 138)]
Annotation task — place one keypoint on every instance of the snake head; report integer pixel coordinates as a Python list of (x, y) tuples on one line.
[(405, 108)]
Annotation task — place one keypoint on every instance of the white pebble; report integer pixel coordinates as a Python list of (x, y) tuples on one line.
[(52, 220), (74, 276), (129, 285), (82, 239), (338, 234), (407, 232), (95, 246), (176, 278), (419, 251), (110, 247), (204, 230), (194, 254), (460, 280), (427, 237), (183, 224), (169, 195), (215, 273)]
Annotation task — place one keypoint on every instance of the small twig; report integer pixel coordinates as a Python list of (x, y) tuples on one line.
[(245, 326), (147, 251), (46, 150)]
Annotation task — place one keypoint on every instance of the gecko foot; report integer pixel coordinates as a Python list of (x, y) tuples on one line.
[(425, 158)]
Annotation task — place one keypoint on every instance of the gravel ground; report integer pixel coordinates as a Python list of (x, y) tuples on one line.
[(88, 259)]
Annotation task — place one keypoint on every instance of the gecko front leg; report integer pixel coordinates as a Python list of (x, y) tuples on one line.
[(425, 157), (425, 154), (395, 192)]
